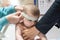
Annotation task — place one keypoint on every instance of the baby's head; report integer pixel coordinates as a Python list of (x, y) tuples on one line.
[(30, 15)]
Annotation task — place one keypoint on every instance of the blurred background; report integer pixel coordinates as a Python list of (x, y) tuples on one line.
[(43, 5)]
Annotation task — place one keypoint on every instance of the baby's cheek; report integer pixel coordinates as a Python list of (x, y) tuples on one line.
[(27, 23)]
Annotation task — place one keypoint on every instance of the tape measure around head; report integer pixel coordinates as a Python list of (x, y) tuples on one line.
[(29, 17)]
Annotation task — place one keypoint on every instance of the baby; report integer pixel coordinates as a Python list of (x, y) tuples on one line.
[(29, 17)]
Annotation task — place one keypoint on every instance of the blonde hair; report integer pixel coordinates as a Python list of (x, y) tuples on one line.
[(33, 9)]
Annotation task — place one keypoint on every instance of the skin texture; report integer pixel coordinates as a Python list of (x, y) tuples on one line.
[(27, 28)]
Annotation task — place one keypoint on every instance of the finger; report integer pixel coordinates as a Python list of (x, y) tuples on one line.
[(19, 8), (31, 39), (24, 35), (18, 13), (37, 39), (26, 38), (25, 29), (21, 18)]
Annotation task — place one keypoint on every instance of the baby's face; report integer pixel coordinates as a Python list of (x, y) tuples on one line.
[(28, 23)]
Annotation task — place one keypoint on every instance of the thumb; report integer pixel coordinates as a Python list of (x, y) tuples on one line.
[(18, 13)]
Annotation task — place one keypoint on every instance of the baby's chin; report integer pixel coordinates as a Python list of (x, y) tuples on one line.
[(28, 26)]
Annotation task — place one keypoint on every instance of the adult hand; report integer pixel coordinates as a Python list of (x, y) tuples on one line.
[(19, 8), (13, 18), (30, 33), (42, 36)]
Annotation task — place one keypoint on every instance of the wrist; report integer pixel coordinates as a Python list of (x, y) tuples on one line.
[(4, 21), (42, 36), (8, 18)]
